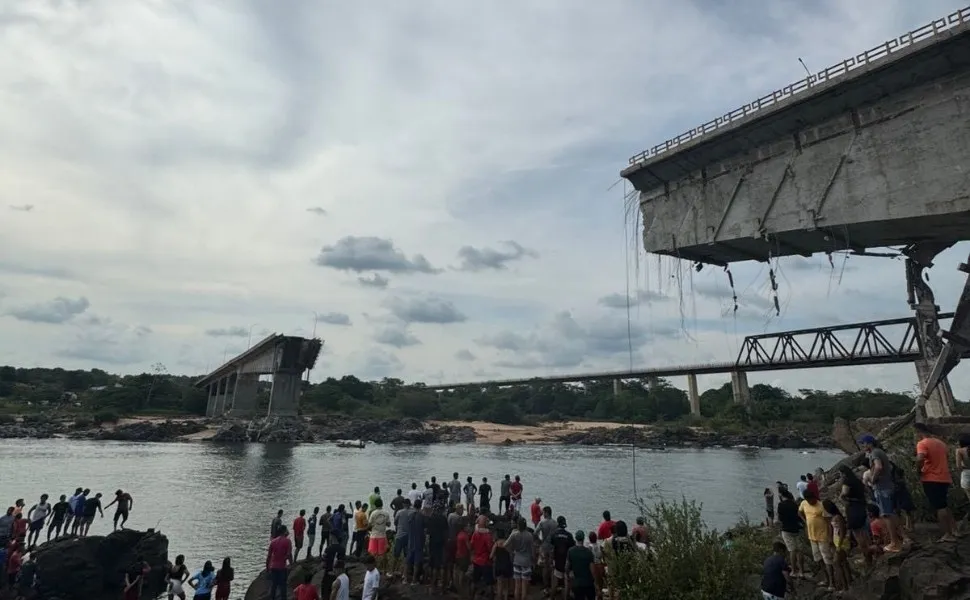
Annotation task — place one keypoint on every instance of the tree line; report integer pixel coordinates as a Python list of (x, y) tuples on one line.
[(75, 391)]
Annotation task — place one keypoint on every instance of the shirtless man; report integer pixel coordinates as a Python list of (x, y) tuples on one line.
[(125, 504)]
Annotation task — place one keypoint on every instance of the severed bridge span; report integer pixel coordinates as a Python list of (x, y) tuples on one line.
[(870, 153), (870, 343)]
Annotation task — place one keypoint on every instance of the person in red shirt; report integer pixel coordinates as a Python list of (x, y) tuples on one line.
[(278, 558), (515, 493), (19, 529), (481, 549), (605, 530), (306, 590), (462, 554), (14, 561), (299, 528), (536, 508), (931, 462), (812, 484)]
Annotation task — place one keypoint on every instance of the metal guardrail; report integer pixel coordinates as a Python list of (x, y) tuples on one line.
[(930, 30)]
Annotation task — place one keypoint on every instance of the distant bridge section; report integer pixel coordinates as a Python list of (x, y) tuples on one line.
[(870, 152), (232, 386), (868, 343)]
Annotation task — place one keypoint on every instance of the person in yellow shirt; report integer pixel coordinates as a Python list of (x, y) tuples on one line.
[(361, 525), (819, 534)]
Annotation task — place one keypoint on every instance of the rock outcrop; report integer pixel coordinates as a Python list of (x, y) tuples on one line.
[(390, 431), (143, 431), (680, 437), (285, 430), (94, 567)]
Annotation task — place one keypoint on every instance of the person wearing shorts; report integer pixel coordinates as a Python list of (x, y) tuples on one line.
[(520, 545), (819, 535), (931, 462)]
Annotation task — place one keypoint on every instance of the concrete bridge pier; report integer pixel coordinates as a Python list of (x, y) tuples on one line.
[(210, 407), (653, 383), (244, 395), (617, 386), (285, 395), (739, 387), (693, 396)]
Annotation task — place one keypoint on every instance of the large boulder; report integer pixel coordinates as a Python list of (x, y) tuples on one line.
[(144, 431), (94, 567)]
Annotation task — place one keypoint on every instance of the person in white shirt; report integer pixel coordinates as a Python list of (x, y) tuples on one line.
[(37, 515), (372, 580), (341, 585), (801, 486), (415, 494)]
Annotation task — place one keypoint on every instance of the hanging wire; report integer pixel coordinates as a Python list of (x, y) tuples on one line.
[(628, 206)]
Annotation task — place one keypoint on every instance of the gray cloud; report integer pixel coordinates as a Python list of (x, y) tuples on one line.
[(101, 340), (480, 259), (317, 210), (360, 254), (464, 355), (396, 336), (641, 297), (22, 207), (377, 363), (21, 269), (425, 310), (228, 332), (373, 281), (334, 318), (58, 310)]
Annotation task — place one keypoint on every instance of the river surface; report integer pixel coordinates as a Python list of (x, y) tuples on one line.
[(218, 500)]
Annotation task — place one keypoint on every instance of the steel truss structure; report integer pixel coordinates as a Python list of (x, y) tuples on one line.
[(852, 344)]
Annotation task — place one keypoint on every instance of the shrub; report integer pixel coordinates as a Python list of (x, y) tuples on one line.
[(105, 416), (690, 559), (36, 419), (83, 422), (7, 419)]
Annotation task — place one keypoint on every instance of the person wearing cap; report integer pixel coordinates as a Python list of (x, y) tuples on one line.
[(562, 541), (931, 462), (883, 490)]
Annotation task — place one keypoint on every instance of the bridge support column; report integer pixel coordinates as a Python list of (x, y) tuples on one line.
[(210, 407), (244, 396), (739, 387), (652, 383), (940, 401), (693, 396), (284, 399), (616, 387), (222, 387)]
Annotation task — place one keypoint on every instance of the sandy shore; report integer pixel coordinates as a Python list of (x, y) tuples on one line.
[(495, 433)]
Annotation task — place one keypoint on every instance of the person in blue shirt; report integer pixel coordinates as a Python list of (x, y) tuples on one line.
[(203, 581)]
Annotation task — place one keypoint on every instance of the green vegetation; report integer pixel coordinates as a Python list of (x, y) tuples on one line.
[(690, 560), (103, 397)]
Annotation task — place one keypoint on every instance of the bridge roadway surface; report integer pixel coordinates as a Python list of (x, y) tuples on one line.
[(871, 347)]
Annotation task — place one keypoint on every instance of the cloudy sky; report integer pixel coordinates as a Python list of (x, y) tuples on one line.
[(436, 181)]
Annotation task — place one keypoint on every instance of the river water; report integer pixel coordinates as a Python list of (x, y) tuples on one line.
[(217, 500)]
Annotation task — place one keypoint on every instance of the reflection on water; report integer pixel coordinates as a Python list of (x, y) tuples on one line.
[(217, 500)]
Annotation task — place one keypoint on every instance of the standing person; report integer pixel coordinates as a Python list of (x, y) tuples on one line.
[(562, 541), (79, 505), (544, 532), (774, 575), (599, 566), (414, 494), (437, 539), (481, 549), (18, 531), (6, 528), (341, 585), (535, 510), (278, 558), (462, 554), (15, 560), (134, 577), (372, 499), (125, 504), (276, 525), (515, 494), (605, 529), (853, 494), (360, 531), (485, 497), (72, 504), (769, 507), (58, 515), (378, 521), (883, 490), (454, 491), (397, 503), (299, 531), (520, 545), (203, 581), (37, 516), (812, 484), (325, 531), (935, 477), (503, 498), (791, 526), (306, 590), (415, 552), (501, 569), (311, 531), (338, 527), (92, 507), (470, 490), (819, 536), (372, 580), (402, 522), (175, 577), (579, 565), (842, 544)]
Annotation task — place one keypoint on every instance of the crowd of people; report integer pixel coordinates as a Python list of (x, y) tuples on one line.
[(869, 515), (445, 536), (21, 528)]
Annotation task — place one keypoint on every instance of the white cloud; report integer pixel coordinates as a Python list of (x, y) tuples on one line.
[(202, 167)]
